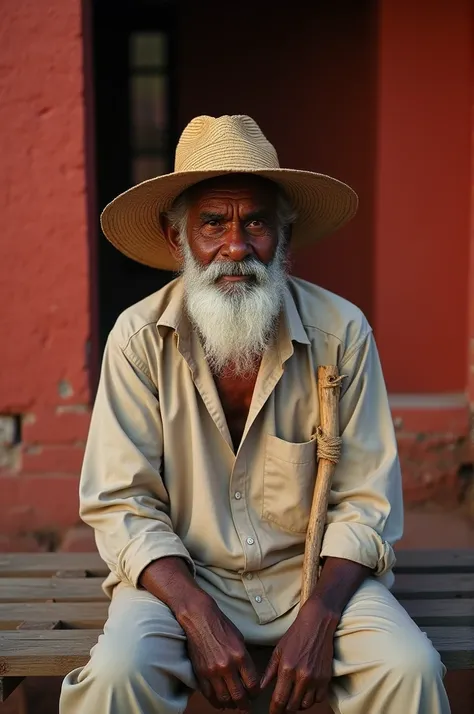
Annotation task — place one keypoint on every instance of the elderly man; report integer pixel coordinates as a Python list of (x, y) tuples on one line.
[(201, 458)]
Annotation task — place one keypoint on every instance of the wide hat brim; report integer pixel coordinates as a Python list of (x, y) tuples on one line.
[(131, 221)]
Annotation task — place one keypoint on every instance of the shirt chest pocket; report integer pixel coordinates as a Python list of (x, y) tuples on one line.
[(288, 482)]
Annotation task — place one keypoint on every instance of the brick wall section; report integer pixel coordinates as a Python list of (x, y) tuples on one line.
[(434, 448), (44, 266)]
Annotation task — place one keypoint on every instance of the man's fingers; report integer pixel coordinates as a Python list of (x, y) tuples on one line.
[(309, 698), (249, 677), (221, 691), (271, 670), (303, 696), (237, 692), (282, 694), (208, 692)]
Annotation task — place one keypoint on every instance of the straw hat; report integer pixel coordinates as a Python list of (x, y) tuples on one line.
[(211, 147)]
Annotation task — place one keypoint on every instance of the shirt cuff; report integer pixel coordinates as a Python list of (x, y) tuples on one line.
[(144, 549), (359, 543)]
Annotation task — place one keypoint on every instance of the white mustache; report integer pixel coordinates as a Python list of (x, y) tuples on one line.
[(251, 267)]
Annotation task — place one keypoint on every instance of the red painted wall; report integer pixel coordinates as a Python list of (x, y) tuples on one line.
[(381, 102), (379, 95), (423, 193), (308, 77), (44, 271)]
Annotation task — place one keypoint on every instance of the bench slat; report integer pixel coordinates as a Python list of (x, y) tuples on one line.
[(85, 616), (92, 615), (444, 613), (47, 564), (44, 653), (58, 589), (407, 586), (435, 561), (455, 645), (56, 652), (44, 565), (431, 586)]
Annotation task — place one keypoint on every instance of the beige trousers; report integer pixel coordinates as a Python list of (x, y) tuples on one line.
[(383, 663)]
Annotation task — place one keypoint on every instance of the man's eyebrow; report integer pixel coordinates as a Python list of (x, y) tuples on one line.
[(257, 214), (211, 216)]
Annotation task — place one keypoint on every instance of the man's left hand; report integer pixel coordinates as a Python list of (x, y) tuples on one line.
[(302, 660)]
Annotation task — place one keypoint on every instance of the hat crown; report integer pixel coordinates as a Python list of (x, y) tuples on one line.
[(229, 142)]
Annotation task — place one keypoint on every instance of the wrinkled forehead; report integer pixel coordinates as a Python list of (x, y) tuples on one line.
[(240, 187)]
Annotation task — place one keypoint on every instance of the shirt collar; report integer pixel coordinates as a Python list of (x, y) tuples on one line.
[(294, 324), (173, 313)]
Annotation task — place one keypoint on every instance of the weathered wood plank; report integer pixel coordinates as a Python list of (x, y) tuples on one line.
[(72, 615), (432, 586), (455, 612), (54, 653), (92, 615), (407, 586), (455, 645), (46, 564), (9, 684), (435, 561), (46, 653), (57, 589)]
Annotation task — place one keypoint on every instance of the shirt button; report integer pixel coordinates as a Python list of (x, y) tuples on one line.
[(249, 576), (237, 495), (258, 598), (250, 541)]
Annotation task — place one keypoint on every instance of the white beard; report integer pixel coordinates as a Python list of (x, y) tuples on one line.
[(238, 322)]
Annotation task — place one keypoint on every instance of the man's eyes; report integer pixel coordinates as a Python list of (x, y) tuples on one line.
[(254, 224)]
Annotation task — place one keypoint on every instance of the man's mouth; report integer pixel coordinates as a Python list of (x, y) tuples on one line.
[(235, 278)]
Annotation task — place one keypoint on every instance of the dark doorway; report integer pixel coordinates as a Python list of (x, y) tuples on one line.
[(134, 87)]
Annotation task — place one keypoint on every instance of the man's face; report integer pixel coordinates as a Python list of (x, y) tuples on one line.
[(232, 250), (232, 219)]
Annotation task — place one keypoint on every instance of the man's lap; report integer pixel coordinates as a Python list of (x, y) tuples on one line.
[(374, 627), (141, 659)]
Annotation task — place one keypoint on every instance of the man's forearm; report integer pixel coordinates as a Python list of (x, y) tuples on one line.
[(338, 582), (170, 580)]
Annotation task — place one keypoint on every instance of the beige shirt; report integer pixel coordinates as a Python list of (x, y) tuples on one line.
[(161, 476)]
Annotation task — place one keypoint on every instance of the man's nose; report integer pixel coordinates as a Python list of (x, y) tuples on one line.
[(236, 246)]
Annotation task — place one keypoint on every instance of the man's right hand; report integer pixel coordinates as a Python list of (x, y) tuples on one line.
[(224, 669)]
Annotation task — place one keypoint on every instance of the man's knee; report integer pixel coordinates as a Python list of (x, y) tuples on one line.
[(120, 664), (412, 658)]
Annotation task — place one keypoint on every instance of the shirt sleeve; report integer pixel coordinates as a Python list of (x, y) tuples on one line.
[(365, 515), (122, 493)]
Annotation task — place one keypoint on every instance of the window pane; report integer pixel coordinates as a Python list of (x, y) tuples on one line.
[(149, 113), (148, 49), (145, 167)]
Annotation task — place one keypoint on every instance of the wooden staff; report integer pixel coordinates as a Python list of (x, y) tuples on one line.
[(329, 447)]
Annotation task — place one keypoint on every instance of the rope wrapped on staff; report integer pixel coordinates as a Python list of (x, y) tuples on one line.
[(329, 450)]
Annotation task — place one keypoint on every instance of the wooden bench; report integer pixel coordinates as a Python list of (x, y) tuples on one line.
[(52, 609)]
